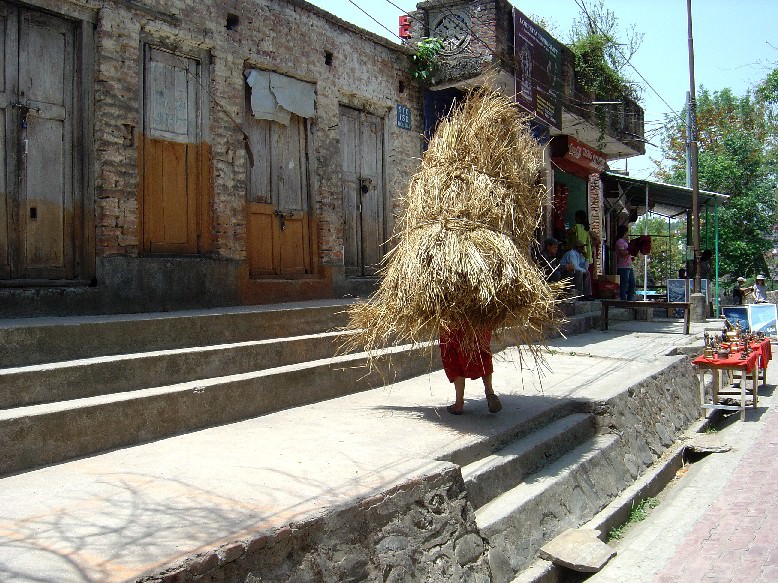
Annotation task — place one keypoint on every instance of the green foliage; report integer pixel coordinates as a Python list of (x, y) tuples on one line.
[(638, 513), (601, 57), (737, 156), (425, 59)]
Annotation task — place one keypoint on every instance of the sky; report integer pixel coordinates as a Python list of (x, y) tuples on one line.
[(734, 47)]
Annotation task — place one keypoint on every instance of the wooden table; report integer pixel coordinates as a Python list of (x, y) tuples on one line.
[(749, 369), (685, 306)]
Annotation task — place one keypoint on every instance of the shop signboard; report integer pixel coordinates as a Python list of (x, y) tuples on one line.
[(538, 70), (753, 317), (762, 318), (678, 290)]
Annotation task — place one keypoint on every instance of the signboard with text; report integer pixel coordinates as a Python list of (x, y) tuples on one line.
[(403, 117), (538, 70)]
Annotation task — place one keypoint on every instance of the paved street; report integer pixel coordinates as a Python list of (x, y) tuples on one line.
[(718, 522)]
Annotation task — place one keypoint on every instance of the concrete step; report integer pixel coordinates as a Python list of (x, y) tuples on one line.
[(488, 477), (54, 432), (28, 341), (562, 495), (102, 375)]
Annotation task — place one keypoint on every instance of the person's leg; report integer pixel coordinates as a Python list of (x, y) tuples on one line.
[(492, 400), (459, 396), (623, 282), (631, 294), (587, 284), (488, 390), (579, 282)]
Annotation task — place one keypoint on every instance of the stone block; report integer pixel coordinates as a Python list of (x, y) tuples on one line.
[(578, 549)]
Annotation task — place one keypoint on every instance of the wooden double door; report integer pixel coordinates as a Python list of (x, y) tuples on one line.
[(41, 197)]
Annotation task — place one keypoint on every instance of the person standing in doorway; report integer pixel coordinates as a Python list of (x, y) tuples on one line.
[(624, 264), (582, 232)]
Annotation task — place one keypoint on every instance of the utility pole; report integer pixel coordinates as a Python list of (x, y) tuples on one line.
[(701, 314)]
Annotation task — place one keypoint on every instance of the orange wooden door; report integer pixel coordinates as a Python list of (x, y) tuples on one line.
[(278, 223), (173, 185)]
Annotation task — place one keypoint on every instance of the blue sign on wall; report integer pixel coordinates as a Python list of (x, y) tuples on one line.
[(403, 117)]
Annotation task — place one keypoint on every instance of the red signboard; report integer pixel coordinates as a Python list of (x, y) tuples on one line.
[(576, 157), (405, 26)]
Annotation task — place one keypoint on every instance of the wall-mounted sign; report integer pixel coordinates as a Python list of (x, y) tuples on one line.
[(403, 117), (576, 157), (538, 70)]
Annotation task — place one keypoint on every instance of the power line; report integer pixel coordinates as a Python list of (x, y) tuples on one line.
[(582, 6), (371, 17)]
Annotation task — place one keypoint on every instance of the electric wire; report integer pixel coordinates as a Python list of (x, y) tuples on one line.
[(582, 6)]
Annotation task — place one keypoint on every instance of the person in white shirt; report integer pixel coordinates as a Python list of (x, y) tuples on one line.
[(582, 277), (760, 291)]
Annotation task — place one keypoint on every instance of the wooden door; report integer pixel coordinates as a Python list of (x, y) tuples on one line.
[(174, 190), (361, 143), (37, 182), (278, 225)]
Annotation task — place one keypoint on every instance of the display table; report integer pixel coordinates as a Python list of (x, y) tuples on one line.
[(749, 369)]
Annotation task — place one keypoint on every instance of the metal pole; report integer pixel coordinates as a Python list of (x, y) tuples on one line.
[(716, 247), (688, 140), (645, 257), (693, 149)]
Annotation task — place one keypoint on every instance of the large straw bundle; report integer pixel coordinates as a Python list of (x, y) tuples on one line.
[(462, 260)]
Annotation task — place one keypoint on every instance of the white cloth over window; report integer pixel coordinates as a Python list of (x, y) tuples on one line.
[(276, 97)]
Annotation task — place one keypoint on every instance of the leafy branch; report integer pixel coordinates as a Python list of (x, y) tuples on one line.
[(425, 59)]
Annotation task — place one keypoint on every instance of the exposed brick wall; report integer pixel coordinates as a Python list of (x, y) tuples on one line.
[(289, 37)]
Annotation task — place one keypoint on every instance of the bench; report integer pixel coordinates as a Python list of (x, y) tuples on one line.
[(685, 306)]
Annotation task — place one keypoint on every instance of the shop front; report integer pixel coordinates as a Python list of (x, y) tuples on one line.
[(577, 188)]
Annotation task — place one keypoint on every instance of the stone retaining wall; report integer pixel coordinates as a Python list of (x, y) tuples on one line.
[(420, 530), (424, 529)]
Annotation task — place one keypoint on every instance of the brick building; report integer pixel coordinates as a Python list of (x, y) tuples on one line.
[(490, 42), (174, 154)]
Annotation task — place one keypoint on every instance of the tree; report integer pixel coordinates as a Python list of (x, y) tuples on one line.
[(603, 52), (737, 157)]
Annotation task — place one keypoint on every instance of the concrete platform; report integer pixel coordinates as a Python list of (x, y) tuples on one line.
[(188, 505)]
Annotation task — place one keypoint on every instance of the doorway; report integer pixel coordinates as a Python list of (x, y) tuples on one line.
[(362, 158), (38, 182)]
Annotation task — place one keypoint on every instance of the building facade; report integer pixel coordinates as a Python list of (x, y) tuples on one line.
[(489, 42), (179, 154)]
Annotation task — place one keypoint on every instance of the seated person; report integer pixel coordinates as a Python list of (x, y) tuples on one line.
[(549, 263), (574, 261)]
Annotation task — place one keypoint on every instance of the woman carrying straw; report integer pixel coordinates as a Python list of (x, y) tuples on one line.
[(460, 363)]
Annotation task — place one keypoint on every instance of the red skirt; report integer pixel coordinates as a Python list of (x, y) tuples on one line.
[(459, 363)]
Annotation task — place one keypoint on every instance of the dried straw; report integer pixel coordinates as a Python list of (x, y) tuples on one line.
[(462, 257)]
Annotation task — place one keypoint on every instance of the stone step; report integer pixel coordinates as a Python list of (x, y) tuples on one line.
[(562, 495), (102, 375), (488, 477), (54, 432), (29, 341)]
